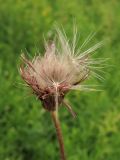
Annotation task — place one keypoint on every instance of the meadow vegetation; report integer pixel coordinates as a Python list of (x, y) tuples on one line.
[(26, 130)]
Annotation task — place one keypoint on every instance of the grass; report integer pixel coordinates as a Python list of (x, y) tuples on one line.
[(26, 130)]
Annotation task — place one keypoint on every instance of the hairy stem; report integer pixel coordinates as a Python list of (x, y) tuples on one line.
[(59, 134)]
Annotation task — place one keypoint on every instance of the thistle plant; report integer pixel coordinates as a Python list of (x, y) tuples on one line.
[(61, 69)]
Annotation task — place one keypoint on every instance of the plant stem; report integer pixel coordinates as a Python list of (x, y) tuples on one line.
[(59, 134)]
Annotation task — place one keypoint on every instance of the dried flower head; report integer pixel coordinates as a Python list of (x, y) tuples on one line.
[(61, 69)]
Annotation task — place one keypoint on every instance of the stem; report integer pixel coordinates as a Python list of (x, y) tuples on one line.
[(59, 134)]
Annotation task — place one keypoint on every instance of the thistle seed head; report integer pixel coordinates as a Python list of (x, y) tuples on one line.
[(59, 70)]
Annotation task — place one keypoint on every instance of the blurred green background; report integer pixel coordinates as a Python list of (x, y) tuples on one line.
[(26, 130)]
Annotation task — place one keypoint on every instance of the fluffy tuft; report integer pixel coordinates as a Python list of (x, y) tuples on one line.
[(59, 70)]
